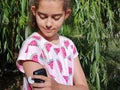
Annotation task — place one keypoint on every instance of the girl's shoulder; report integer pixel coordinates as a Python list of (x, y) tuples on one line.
[(65, 39), (32, 39)]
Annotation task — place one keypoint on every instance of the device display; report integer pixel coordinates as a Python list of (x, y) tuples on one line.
[(41, 71)]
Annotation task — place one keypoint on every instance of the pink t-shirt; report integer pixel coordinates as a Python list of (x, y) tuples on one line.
[(58, 59)]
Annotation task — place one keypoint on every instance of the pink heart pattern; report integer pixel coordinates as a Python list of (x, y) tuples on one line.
[(66, 78), (70, 70), (33, 43), (51, 64), (36, 37), (66, 43), (57, 50), (69, 58), (28, 87), (74, 49), (63, 52), (48, 47), (59, 65), (35, 58)]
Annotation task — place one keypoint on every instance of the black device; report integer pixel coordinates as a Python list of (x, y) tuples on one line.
[(41, 71)]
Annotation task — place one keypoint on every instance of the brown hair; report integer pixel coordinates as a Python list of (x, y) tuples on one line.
[(32, 21)]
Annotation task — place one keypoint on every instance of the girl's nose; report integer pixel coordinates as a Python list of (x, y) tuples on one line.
[(49, 23)]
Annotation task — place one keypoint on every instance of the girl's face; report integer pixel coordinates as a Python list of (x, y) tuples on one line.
[(50, 17)]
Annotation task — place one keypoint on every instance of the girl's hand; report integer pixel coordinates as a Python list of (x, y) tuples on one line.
[(49, 84)]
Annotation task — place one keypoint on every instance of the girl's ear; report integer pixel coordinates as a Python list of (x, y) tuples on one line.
[(67, 13), (33, 9)]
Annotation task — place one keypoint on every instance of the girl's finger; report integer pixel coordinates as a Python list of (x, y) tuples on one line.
[(44, 78), (40, 85)]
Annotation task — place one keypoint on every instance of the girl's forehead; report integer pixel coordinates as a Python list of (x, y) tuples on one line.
[(48, 3), (51, 0), (50, 6), (62, 1)]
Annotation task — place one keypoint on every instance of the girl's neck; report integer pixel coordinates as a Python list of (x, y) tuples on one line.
[(54, 40)]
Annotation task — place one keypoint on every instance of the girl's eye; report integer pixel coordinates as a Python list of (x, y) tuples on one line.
[(56, 17), (42, 16)]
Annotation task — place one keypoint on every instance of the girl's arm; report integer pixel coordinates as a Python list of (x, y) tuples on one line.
[(79, 77), (30, 66), (80, 82)]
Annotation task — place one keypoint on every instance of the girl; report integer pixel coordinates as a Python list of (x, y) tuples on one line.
[(47, 49)]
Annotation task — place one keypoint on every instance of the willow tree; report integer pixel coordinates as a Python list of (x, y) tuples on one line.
[(13, 19), (93, 26)]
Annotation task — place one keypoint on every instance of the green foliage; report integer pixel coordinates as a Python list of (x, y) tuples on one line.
[(13, 21), (93, 26)]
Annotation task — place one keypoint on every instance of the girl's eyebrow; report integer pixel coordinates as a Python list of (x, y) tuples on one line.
[(60, 14), (42, 13)]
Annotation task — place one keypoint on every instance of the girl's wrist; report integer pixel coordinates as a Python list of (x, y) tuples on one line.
[(58, 86)]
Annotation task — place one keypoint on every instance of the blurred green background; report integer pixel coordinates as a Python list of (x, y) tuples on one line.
[(94, 27)]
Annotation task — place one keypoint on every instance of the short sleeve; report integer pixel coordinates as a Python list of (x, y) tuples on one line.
[(69, 44), (29, 52), (73, 50)]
